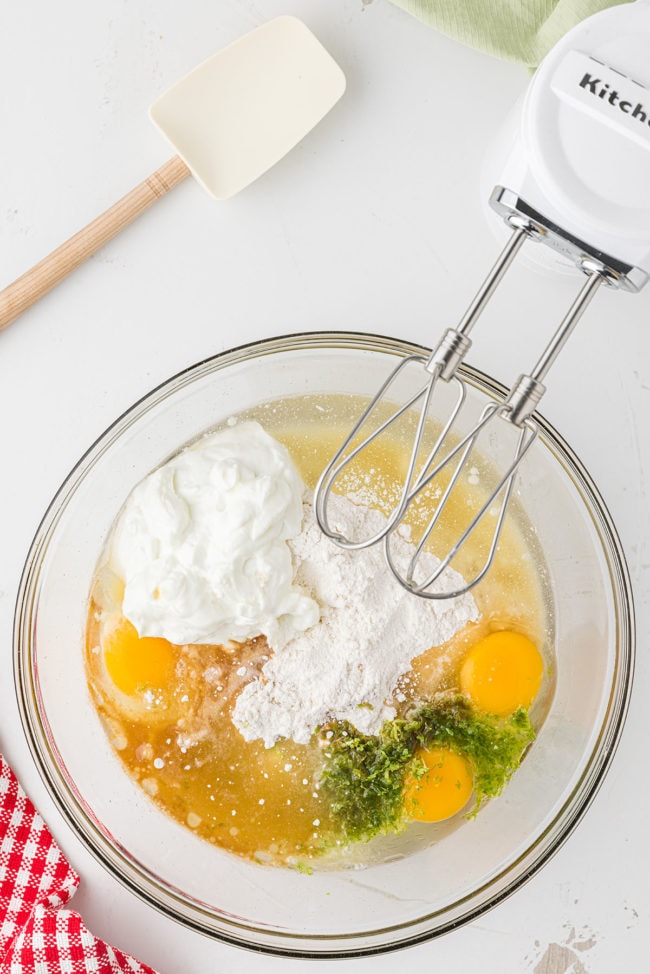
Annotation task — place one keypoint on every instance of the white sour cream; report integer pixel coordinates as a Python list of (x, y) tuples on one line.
[(201, 543)]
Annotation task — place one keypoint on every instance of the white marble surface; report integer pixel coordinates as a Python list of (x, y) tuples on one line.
[(375, 223)]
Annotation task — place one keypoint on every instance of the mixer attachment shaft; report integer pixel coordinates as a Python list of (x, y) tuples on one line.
[(425, 575)]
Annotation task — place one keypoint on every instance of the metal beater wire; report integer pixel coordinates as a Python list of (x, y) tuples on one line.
[(527, 436), (336, 465)]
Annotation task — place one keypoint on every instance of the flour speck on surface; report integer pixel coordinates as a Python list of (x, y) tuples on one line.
[(347, 666)]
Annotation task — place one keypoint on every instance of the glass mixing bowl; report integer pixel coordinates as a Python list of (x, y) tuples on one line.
[(331, 913)]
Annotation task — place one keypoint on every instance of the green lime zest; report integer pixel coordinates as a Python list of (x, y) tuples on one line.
[(363, 776), (304, 868)]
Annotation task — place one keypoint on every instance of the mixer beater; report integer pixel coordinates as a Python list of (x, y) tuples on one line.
[(560, 101)]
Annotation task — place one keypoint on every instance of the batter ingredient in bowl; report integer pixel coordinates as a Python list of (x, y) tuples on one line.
[(502, 672), (200, 544), (348, 667), (229, 734), (425, 766)]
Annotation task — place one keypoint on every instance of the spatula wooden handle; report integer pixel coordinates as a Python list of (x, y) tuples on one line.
[(27, 289)]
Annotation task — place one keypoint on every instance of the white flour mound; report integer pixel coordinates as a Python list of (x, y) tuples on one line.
[(347, 666)]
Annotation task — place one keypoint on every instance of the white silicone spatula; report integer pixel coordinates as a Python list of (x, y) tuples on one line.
[(229, 120)]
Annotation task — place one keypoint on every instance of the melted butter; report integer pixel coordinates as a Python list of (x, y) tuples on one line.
[(182, 748)]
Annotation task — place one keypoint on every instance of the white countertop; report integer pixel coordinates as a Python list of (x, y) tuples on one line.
[(376, 222)]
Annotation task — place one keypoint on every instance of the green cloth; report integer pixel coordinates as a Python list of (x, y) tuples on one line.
[(517, 30)]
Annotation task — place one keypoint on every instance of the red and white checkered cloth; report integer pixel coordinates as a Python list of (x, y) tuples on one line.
[(36, 935)]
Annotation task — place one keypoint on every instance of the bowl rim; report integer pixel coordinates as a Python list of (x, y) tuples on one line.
[(171, 903)]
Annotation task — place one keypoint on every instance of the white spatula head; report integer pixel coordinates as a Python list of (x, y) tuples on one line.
[(238, 113)]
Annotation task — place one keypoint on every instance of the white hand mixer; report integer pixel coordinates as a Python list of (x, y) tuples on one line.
[(578, 180)]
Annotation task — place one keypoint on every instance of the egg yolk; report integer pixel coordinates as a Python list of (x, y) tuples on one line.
[(444, 788), (137, 664), (502, 672)]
